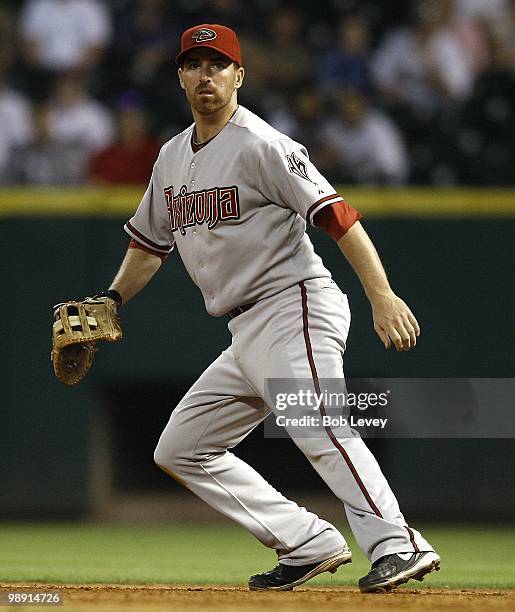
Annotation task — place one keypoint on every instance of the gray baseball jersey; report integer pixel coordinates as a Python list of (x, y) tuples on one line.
[(237, 211)]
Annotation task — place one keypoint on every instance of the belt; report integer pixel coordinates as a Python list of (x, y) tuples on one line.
[(239, 310)]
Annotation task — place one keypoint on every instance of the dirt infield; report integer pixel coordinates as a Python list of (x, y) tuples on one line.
[(223, 598)]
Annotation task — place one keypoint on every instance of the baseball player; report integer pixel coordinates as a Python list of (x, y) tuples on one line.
[(233, 195)]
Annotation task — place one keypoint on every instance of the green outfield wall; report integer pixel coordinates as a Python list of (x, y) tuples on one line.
[(448, 253)]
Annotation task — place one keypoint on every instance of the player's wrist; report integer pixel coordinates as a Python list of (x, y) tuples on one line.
[(113, 295), (378, 294)]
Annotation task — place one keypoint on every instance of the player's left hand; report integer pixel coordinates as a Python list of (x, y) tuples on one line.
[(394, 322)]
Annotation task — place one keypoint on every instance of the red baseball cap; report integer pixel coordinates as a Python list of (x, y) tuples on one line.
[(214, 36)]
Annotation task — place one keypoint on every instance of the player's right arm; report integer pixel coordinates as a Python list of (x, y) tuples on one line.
[(151, 239), (136, 270)]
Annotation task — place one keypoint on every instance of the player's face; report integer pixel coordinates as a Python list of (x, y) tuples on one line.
[(209, 79)]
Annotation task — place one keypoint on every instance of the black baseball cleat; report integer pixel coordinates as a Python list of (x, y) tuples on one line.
[(286, 577), (391, 570)]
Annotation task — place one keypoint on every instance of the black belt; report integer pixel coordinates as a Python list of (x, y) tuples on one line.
[(239, 309)]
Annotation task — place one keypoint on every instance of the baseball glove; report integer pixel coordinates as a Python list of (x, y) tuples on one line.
[(77, 328)]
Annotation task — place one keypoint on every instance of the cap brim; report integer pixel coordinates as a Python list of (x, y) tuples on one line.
[(181, 56)]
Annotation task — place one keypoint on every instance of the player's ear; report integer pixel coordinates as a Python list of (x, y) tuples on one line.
[(179, 72), (239, 76)]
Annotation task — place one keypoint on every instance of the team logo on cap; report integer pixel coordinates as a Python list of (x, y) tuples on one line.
[(203, 34)]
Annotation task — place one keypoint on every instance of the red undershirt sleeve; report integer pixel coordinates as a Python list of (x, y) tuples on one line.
[(337, 218)]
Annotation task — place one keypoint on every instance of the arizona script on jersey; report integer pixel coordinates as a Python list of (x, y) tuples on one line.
[(205, 206)]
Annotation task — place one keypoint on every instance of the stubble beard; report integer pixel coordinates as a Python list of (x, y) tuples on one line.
[(208, 107)]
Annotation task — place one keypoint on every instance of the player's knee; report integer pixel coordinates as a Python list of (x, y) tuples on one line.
[(171, 456), (160, 457), (166, 457)]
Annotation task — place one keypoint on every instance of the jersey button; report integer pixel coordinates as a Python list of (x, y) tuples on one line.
[(192, 165)]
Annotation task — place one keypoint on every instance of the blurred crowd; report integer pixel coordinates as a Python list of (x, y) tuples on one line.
[(380, 92)]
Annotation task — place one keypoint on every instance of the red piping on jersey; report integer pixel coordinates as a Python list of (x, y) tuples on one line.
[(412, 540), (152, 245), (134, 244), (329, 431), (321, 201)]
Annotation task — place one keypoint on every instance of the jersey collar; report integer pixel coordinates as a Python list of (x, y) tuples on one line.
[(196, 146)]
